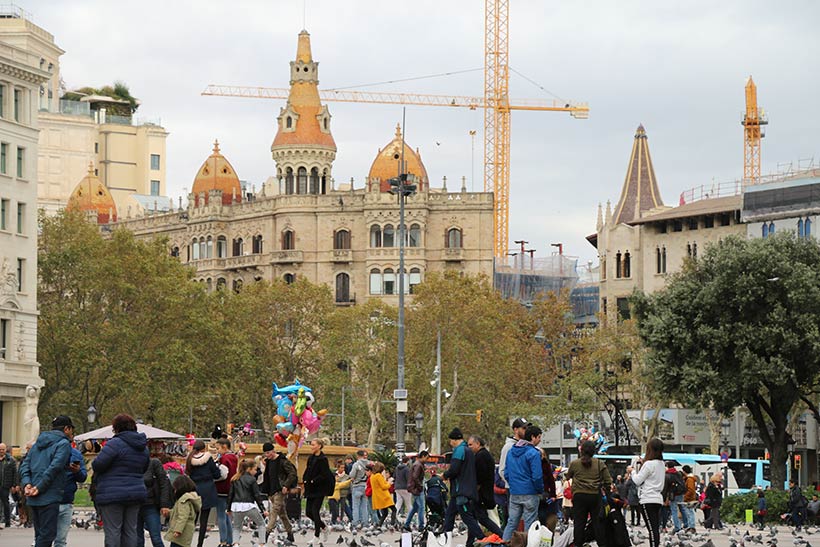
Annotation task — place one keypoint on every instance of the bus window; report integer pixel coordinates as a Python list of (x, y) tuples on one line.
[(767, 472), (744, 473)]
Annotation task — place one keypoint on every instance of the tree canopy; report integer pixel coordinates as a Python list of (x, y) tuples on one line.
[(739, 326)]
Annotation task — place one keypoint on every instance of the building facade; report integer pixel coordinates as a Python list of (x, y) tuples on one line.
[(642, 240), (300, 224), (21, 79)]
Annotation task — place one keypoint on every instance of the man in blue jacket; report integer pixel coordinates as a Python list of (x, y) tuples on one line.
[(43, 476), (526, 479), (463, 488), (75, 473)]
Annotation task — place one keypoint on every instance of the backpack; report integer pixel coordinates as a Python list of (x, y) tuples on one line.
[(674, 484)]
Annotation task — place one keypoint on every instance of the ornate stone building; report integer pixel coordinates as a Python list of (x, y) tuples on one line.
[(21, 76), (642, 240), (301, 225)]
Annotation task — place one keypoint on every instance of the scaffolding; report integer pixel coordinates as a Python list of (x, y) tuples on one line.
[(523, 277)]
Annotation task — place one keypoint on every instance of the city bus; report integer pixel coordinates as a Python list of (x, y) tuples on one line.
[(742, 475)]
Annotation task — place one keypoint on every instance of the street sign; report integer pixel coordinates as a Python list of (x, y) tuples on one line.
[(400, 394)]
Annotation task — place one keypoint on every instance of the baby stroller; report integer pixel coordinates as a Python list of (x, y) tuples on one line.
[(435, 501)]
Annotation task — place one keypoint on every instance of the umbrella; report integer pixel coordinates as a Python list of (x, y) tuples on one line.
[(107, 432)]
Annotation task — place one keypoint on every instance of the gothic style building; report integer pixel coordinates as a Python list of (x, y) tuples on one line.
[(301, 225)]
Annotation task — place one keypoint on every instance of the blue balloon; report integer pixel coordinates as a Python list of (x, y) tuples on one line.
[(287, 390)]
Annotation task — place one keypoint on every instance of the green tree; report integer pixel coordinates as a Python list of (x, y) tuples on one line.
[(118, 91), (740, 326), (118, 321)]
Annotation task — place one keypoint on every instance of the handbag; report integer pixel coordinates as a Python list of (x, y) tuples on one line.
[(445, 539)]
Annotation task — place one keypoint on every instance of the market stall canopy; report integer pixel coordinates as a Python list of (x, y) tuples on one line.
[(107, 432)]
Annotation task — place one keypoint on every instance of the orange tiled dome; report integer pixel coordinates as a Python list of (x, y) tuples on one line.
[(217, 174), (90, 194), (386, 164)]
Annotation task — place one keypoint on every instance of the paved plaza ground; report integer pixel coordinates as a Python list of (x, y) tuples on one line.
[(18, 537)]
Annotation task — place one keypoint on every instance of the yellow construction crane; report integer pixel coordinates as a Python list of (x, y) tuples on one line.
[(753, 130), (496, 104)]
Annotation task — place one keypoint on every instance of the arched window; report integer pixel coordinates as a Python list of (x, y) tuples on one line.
[(415, 279), (764, 231), (800, 228), (375, 281), (289, 278), (375, 236), (288, 240), (202, 249), (209, 284), (341, 240), (175, 251), (221, 247), (195, 250), (289, 181), (627, 265), (289, 122), (237, 285), (302, 181), (414, 236), (324, 181), (209, 247), (658, 260), (618, 270), (388, 236), (807, 228), (389, 281), (238, 247), (221, 283), (342, 288), (663, 260), (453, 238), (257, 245), (314, 181)]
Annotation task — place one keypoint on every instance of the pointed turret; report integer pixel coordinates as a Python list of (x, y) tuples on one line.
[(640, 192), (600, 223), (608, 217), (303, 129)]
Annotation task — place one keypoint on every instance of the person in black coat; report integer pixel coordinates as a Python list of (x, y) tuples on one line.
[(157, 505), (319, 483), (120, 490), (485, 479), (203, 470)]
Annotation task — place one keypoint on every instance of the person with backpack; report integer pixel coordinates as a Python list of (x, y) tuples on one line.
[(674, 489)]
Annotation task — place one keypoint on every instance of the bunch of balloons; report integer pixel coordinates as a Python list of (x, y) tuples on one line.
[(583, 434), (295, 417)]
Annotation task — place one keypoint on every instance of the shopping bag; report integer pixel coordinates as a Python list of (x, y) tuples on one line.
[(445, 539), (539, 535)]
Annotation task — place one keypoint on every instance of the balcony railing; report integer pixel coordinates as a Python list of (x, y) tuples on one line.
[(342, 255), (455, 254), (286, 257), (246, 261), (393, 252)]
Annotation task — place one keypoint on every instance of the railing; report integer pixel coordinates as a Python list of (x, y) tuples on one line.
[(708, 191), (237, 262), (75, 108), (454, 254), (342, 255), (393, 252), (286, 257)]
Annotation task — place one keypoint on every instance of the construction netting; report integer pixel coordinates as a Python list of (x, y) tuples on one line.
[(525, 279)]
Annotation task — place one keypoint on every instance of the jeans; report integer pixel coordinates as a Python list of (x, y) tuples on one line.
[(360, 513), (120, 523), (520, 504), (223, 521), (4, 501), (652, 517), (372, 513), (45, 523), (466, 509), (688, 515), (149, 519), (416, 507), (256, 517), (675, 504), (204, 514), (63, 524)]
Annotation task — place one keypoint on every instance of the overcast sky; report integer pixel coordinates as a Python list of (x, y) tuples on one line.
[(677, 67)]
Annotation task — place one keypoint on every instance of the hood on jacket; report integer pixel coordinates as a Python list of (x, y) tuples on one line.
[(192, 498), (137, 441), (48, 438), (201, 458), (520, 449), (523, 442)]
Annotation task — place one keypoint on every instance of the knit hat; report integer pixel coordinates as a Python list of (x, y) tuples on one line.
[(455, 434), (267, 447)]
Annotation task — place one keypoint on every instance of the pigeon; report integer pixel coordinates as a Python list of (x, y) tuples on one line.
[(340, 539), (708, 543), (353, 543), (366, 542)]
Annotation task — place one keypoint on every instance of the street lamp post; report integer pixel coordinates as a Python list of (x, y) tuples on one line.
[(400, 187), (419, 426), (92, 414)]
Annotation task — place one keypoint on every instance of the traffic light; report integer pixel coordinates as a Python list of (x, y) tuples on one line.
[(479, 414), (797, 461)]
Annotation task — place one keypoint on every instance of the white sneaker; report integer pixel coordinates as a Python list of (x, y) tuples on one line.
[(324, 534)]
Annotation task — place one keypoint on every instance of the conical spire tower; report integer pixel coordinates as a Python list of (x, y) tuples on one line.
[(640, 191), (303, 148)]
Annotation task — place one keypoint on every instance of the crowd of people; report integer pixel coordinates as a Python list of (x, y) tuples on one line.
[(135, 493)]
